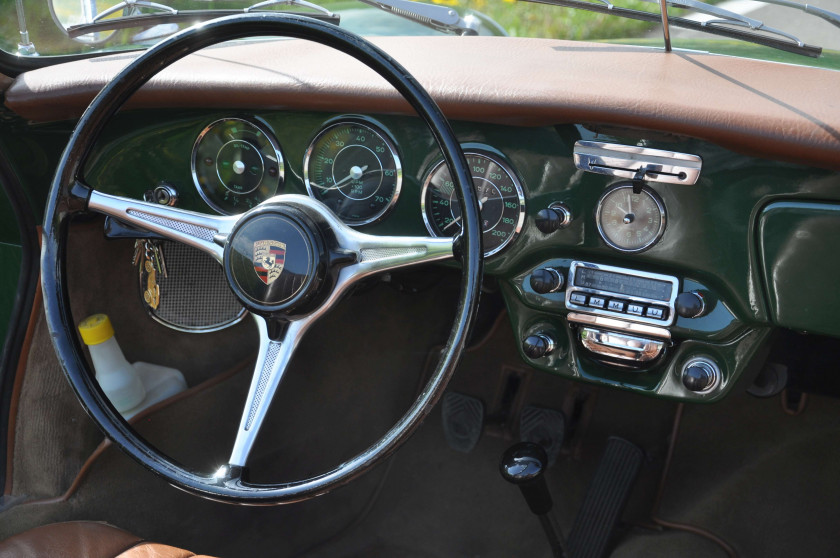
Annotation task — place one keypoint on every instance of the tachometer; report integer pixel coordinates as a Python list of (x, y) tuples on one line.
[(628, 221), (354, 169), (500, 198), (236, 164)]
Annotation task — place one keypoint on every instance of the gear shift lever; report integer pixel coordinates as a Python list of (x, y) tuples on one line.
[(523, 465)]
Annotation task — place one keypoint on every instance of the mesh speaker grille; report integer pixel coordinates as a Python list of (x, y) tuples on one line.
[(195, 296)]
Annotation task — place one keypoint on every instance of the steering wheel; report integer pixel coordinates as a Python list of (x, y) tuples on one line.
[(324, 257)]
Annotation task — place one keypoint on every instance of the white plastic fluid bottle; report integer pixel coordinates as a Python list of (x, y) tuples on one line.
[(131, 387)]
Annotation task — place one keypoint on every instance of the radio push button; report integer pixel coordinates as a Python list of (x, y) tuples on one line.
[(616, 305), (597, 302), (656, 313), (635, 309), (578, 298)]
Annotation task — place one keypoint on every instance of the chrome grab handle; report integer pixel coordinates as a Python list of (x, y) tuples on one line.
[(620, 345), (627, 161)]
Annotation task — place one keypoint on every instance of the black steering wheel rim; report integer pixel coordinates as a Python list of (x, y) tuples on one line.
[(69, 195)]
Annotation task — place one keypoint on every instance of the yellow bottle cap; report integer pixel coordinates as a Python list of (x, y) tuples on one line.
[(96, 329)]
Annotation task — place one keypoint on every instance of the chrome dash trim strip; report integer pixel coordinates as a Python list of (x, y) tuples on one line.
[(618, 325)]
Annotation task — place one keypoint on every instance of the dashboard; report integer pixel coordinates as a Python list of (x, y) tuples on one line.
[(667, 282)]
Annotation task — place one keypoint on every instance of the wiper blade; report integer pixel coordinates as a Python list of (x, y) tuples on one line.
[(831, 17), (167, 14), (794, 47), (440, 18)]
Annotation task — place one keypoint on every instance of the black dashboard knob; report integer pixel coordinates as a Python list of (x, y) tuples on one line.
[(554, 217), (700, 375), (546, 280), (690, 305), (538, 345)]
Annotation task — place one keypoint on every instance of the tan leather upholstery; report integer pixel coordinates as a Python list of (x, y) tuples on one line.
[(85, 539), (777, 111)]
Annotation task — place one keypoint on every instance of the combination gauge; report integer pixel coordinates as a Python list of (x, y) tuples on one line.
[(236, 164)]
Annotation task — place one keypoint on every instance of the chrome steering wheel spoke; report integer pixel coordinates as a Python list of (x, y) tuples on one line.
[(275, 353), (377, 254), (205, 232)]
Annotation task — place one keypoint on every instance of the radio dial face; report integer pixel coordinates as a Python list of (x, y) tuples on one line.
[(628, 221)]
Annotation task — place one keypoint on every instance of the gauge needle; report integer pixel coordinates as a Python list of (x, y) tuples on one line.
[(355, 174), (629, 204), (452, 222), (482, 201)]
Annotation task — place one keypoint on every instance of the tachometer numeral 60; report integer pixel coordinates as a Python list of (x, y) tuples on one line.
[(353, 168)]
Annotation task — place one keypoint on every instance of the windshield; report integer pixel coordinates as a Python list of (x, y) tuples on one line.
[(787, 33)]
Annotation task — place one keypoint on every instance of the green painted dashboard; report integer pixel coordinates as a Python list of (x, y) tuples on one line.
[(710, 243)]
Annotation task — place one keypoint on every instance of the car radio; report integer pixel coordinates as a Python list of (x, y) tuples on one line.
[(617, 292)]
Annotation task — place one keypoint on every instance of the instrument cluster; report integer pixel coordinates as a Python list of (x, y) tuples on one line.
[(353, 166)]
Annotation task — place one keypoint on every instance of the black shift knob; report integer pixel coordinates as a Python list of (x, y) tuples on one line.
[(523, 465)]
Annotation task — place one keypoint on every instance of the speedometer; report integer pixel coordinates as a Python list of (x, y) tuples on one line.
[(354, 169), (500, 199)]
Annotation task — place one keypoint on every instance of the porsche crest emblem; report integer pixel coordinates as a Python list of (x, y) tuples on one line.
[(269, 258)]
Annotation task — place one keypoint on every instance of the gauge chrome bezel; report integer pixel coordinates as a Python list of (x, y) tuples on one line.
[(659, 204), (260, 125), (516, 183), (385, 136)]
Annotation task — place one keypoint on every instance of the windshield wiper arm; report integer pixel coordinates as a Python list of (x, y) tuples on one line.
[(440, 18), (167, 14), (749, 36)]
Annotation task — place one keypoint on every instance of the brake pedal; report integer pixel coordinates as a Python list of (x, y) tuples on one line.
[(545, 427), (605, 499), (463, 421)]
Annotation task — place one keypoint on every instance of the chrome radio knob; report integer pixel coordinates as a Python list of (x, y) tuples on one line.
[(546, 280)]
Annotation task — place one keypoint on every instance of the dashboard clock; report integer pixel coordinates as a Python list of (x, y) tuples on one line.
[(628, 221)]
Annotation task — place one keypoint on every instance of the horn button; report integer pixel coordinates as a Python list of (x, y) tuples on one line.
[(273, 260)]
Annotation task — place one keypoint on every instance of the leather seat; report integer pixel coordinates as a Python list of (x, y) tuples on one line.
[(85, 539)]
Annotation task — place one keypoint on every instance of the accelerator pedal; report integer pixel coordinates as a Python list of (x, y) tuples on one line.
[(605, 499), (545, 427), (463, 421)]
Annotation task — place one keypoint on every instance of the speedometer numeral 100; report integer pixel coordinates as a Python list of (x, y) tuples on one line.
[(354, 169), (500, 199)]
